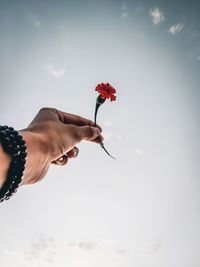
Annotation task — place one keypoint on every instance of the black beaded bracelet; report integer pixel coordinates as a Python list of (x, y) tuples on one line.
[(14, 145)]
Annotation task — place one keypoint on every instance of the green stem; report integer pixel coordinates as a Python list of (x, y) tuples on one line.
[(95, 114), (99, 102), (102, 145)]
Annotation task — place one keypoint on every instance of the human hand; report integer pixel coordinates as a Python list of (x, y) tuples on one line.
[(52, 137)]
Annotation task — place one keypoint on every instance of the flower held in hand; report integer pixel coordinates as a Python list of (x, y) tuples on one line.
[(106, 91)]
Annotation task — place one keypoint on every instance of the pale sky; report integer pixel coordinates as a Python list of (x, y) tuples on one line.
[(143, 208)]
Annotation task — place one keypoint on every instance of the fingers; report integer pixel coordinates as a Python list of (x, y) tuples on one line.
[(88, 133), (53, 114), (68, 118), (73, 153), (98, 139), (63, 160)]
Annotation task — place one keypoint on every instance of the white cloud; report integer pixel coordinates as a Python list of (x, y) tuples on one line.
[(124, 11), (121, 251), (149, 247), (41, 251), (108, 135), (57, 73), (124, 14), (87, 246), (42, 248), (37, 23), (83, 245), (33, 19), (174, 29), (156, 15)]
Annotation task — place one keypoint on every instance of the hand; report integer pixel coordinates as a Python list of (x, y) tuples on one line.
[(52, 138)]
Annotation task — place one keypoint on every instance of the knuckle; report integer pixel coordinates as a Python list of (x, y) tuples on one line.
[(75, 132), (44, 109), (47, 109), (79, 120), (91, 123)]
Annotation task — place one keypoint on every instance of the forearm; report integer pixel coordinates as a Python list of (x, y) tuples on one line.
[(4, 165)]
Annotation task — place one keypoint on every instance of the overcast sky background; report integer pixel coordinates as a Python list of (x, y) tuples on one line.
[(142, 209)]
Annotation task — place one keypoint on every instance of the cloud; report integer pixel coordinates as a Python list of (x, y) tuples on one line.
[(149, 247), (87, 246), (33, 19), (57, 73), (124, 14), (108, 135), (124, 11), (37, 23), (121, 251), (174, 29), (83, 245), (156, 15), (42, 248)]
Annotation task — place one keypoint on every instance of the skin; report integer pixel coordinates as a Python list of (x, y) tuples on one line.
[(51, 138)]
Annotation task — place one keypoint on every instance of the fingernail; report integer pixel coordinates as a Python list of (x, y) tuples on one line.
[(75, 150), (60, 159)]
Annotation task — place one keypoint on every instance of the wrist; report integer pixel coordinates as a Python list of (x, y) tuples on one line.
[(38, 158), (5, 160)]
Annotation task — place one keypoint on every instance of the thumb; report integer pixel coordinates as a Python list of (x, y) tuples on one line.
[(88, 132)]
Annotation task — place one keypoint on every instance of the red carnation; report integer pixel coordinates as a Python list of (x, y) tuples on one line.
[(106, 91)]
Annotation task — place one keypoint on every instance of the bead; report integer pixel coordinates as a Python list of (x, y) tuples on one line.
[(20, 168), (15, 146), (12, 138), (7, 131), (22, 142), (3, 134), (11, 129), (19, 138), (14, 163), (15, 150), (15, 133), (22, 161), (23, 154), (9, 149), (23, 148), (4, 127)]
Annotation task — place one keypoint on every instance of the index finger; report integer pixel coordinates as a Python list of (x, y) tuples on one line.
[(68, 118)]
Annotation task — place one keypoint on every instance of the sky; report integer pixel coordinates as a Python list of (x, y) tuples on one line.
[(143, 208)]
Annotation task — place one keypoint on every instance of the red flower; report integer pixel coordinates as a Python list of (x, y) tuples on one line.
[(106, 91)]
